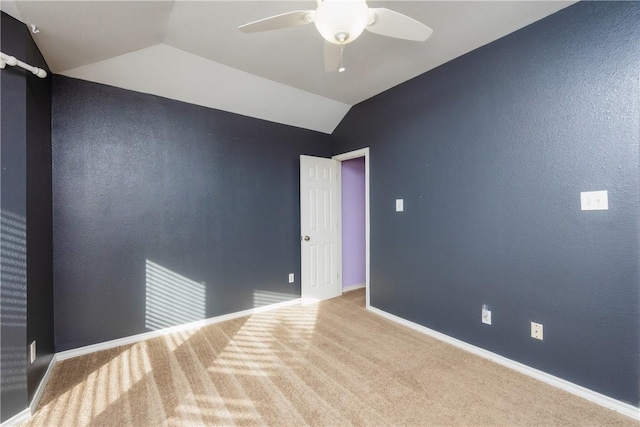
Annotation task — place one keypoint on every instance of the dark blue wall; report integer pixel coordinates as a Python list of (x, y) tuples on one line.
[(208, 195), (13, 205), (490, 153), (39, 219), (26, 275)]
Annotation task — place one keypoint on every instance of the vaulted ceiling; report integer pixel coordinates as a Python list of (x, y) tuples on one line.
[(193, 51)]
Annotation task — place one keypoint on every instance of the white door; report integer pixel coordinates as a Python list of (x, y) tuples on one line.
[(319, 225)]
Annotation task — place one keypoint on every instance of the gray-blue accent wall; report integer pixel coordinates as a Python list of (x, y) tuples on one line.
[(490, 153), (149, 189)]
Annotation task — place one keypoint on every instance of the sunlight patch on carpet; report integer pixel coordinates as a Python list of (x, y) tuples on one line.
[(255, 349), (102, 388)]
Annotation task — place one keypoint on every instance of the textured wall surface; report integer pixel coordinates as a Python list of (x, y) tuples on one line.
[(162, 205), (353, 223), (13, 205), (26, 275), (39, 218), (490, 153)]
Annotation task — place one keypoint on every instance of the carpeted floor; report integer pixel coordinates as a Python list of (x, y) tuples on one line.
[(328, 364)]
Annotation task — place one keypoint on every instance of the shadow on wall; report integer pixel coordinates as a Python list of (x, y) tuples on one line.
[(172, 299), (13, 297)]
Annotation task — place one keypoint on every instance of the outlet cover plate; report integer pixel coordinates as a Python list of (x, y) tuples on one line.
[(291, 278), (536, 331), (32, 352), (594, 200), (486, 316)]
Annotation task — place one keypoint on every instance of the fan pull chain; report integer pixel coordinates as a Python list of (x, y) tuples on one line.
[(341, 69)]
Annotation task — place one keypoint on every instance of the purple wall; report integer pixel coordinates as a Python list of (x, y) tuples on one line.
[(353, 226)]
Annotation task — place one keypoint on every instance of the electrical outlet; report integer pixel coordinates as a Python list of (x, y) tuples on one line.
[(536, 330), (291, 278), (486, 315), (594, 200), (32, 352)]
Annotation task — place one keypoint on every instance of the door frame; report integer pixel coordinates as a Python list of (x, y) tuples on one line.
[(363, 152)]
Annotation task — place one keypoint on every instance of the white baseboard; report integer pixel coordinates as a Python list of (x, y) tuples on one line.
[(17, 419), (161, 332), (595, 397), (353, 287), (43, 383)]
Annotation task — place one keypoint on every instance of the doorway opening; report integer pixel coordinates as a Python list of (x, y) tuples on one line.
[(354, 212)]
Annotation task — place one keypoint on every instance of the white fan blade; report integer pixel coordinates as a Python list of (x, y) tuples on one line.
[(394, 24), (332, 53), (285, 20)]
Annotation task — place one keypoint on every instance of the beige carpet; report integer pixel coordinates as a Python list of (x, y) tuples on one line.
[(321, 364)]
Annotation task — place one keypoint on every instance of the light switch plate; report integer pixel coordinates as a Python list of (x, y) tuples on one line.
[(594, 200), (291, 278), (399, 205)]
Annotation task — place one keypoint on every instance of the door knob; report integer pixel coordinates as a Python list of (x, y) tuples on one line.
[(305, 238)]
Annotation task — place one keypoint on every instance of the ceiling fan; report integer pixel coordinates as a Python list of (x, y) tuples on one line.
[(342, 21)]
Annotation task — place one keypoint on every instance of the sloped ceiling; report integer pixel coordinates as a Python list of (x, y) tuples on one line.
[(193, 51)]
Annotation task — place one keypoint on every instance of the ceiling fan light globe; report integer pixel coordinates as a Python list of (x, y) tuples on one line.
[(337, 17)]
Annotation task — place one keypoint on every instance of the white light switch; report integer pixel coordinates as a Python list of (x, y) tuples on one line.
[(399, 205), (291, 278), (594, 200)]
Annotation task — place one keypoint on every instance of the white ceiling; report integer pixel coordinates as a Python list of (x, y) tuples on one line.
[(86, 39)]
